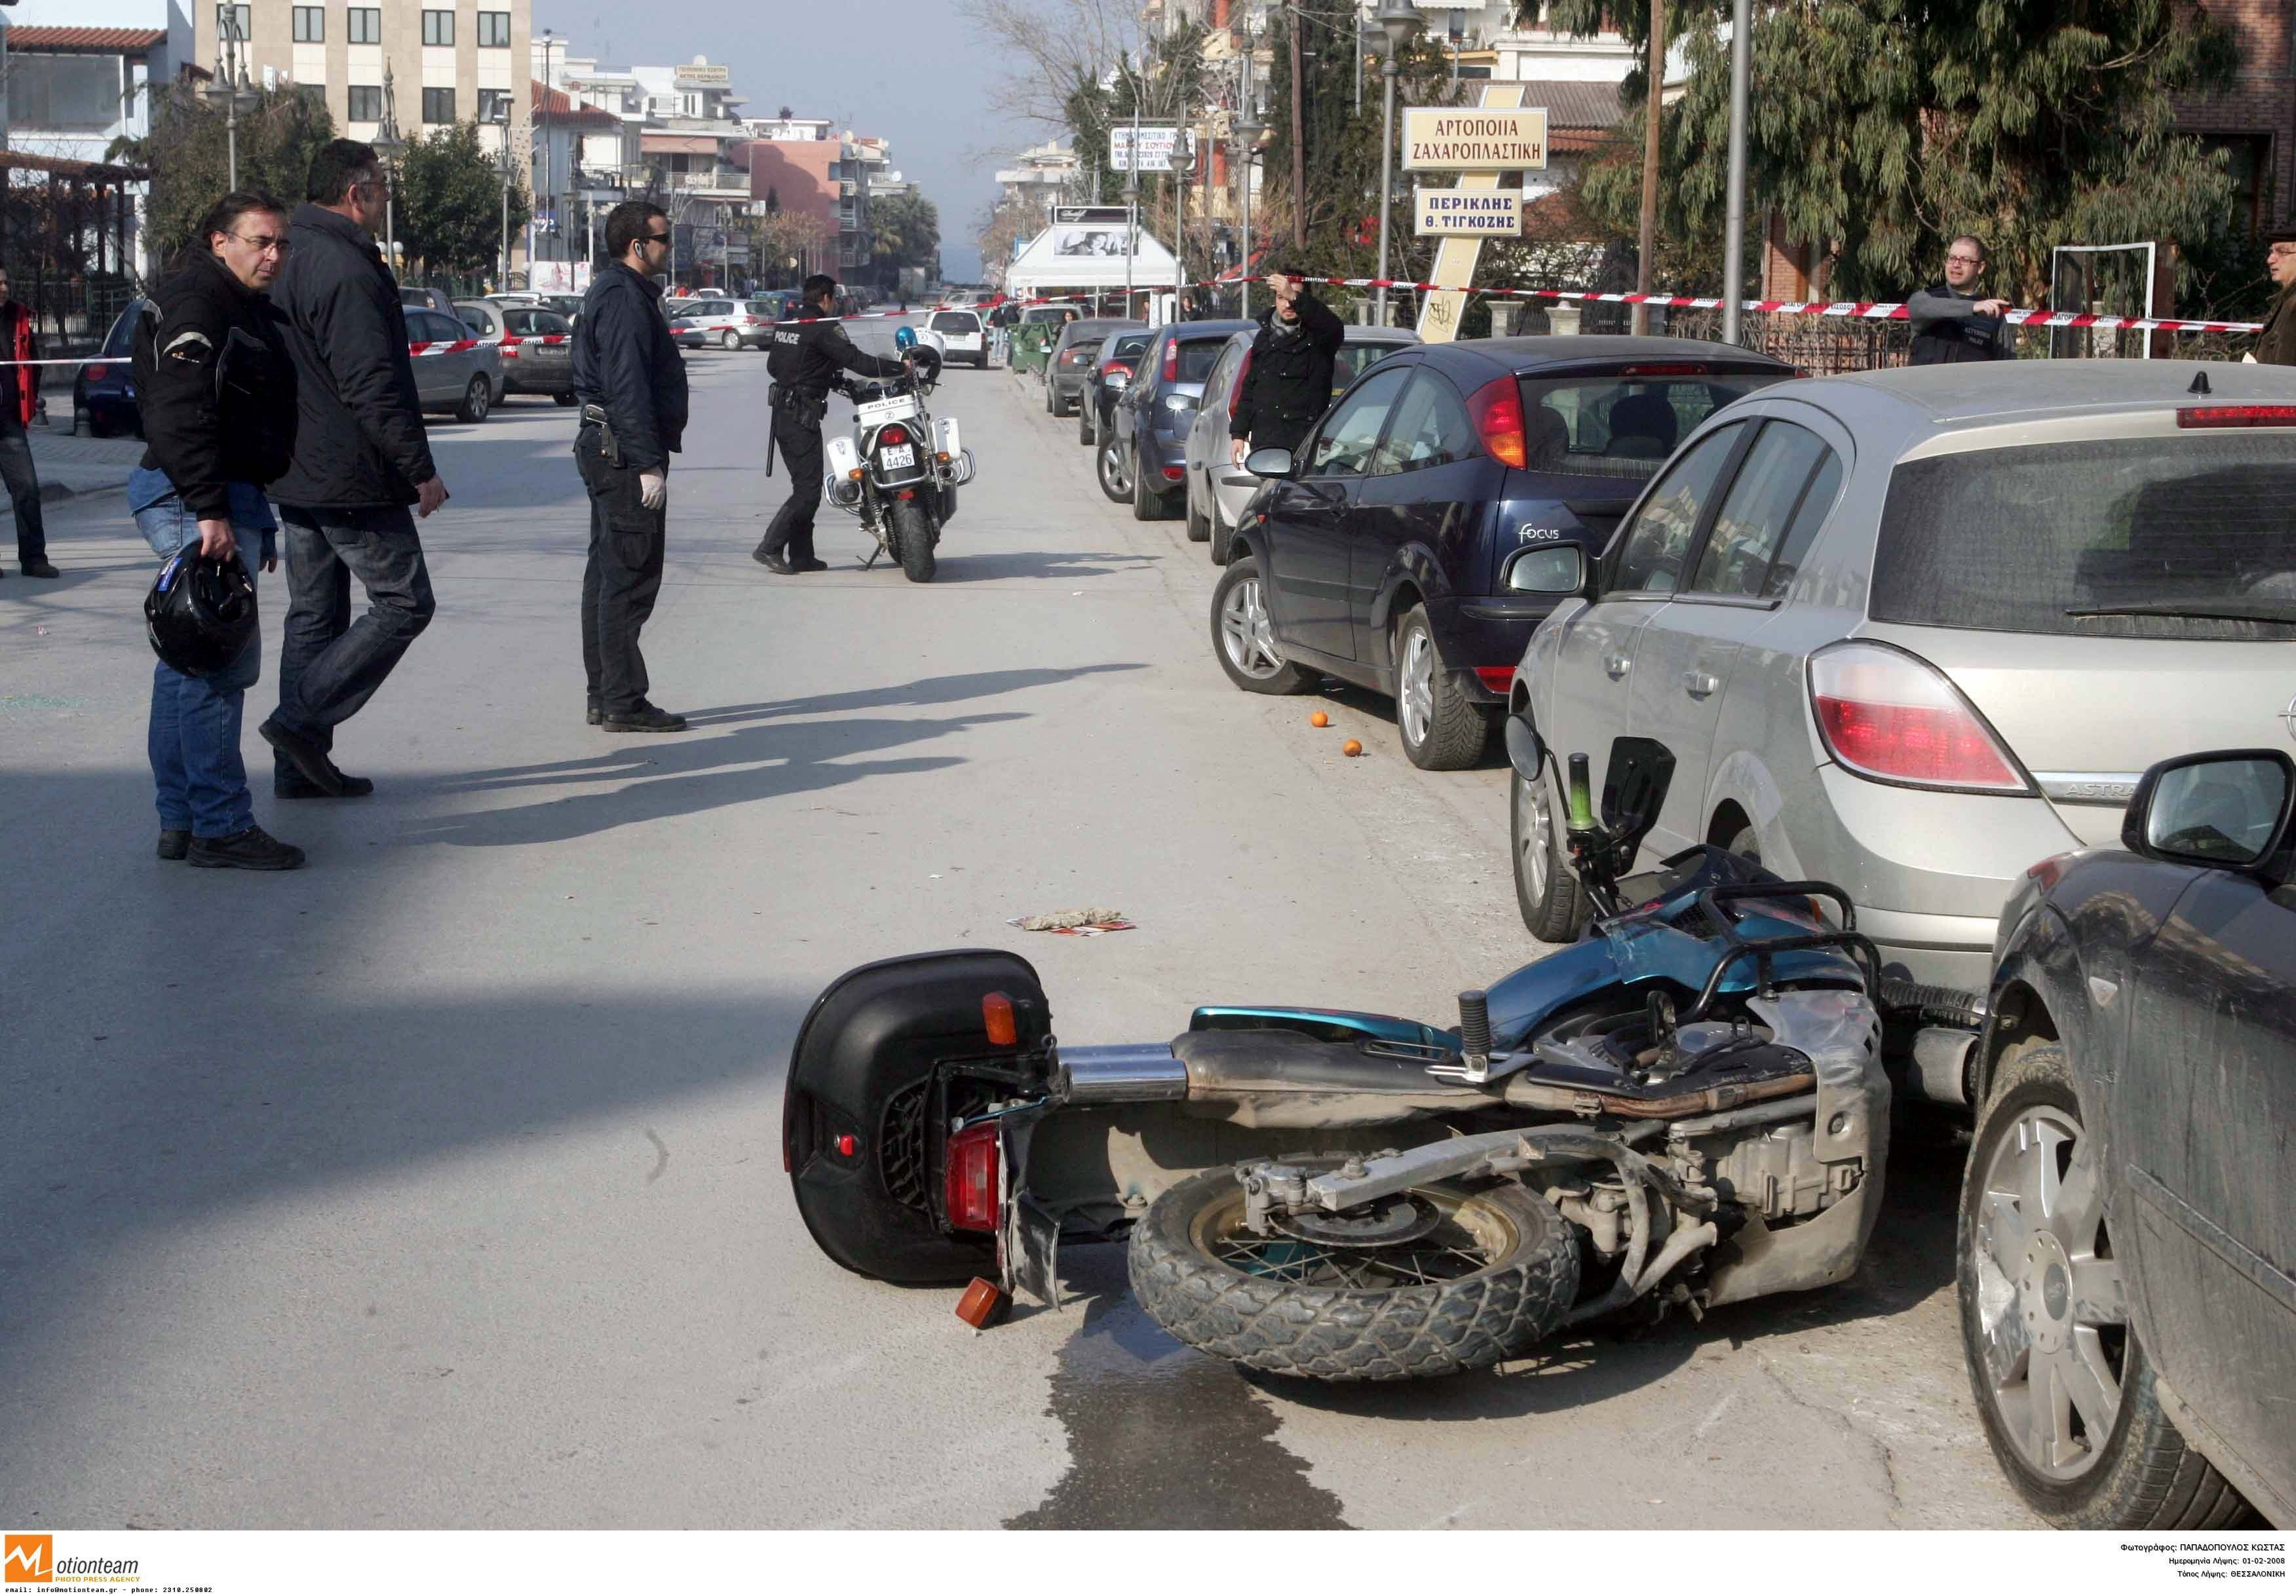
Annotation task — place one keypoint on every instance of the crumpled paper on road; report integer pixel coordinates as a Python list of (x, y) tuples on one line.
[(1074, 923)]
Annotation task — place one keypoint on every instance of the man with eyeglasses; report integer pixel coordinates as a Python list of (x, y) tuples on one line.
[(630, 382), (362, 458), (2276, 344), (1950, 323), (20, 343), (216, 389)]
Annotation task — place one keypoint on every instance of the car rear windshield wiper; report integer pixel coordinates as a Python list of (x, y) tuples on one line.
[(2194, 609)]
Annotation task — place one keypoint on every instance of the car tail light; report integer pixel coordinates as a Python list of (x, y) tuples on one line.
[(969, 1185), (895, 433), (1175, 473), (1116, 368), (2237, 415), (1498, 678), (1890, 716), (96, 374), (1678, 368), (1496, 410), (754, 320), (1242, 375), (1172, 360)]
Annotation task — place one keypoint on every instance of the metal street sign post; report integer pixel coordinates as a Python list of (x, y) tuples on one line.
[(1142, 149), (1481, 143)]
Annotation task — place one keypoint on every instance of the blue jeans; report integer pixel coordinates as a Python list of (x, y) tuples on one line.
[(329, 664), (196, 768)]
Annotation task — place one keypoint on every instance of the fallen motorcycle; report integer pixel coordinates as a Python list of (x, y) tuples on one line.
[(1687, 1106)]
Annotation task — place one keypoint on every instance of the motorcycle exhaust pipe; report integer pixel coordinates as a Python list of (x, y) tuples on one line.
[(1129, 1073)]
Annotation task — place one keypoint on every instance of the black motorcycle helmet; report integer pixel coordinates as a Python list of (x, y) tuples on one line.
[(201, 612)]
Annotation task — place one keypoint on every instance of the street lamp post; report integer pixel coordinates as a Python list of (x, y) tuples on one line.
[(1183, 166), (1247, 128), (1734, 215), (502, 277), (1401, 23), (230, 90), (390, 147)]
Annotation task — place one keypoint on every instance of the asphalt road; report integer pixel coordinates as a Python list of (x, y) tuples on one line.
[(438, 1184)]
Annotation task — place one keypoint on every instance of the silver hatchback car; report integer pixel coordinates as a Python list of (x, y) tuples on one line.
[(1916, 632)]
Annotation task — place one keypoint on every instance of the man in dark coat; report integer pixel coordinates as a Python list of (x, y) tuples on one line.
[(2276, 344), (1288, 384), (630, 381), (216, 389), (19, 402), (808, 354), (1950, 322), (362, 457)]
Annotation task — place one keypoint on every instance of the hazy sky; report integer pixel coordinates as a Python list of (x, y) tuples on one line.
[(905, 70)]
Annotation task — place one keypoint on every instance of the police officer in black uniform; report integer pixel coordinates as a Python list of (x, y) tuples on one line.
[(808, 355)]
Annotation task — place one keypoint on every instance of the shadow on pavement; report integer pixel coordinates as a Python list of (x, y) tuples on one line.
[(1043, 566)]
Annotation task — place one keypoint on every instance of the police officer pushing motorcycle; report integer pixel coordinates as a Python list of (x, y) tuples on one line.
[(808, 355)]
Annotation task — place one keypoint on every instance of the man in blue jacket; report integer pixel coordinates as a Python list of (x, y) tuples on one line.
[(362, 457), (630, 381)]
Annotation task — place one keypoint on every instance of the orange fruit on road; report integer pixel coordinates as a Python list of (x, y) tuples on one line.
[(1351, 748), (1319, 719)]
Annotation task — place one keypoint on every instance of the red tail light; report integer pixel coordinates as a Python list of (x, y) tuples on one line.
[(1175, 473), (1893, 717), (1496, 410), (1242, 375), (1680, 368), (1114, 366), (1172, 360), (95, 374), (894, 434), (970, 1185), (2237, 415)]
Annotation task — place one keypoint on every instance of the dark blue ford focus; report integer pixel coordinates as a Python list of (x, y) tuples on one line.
[(1439, 510)]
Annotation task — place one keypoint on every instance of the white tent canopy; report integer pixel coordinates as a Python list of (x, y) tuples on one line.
[(1071, 256)]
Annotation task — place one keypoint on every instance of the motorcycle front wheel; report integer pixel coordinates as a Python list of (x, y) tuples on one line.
[(1474, 1278), (913, 538)]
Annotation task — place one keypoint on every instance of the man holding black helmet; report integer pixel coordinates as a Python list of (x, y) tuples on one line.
[(217, 392), (808, 355)]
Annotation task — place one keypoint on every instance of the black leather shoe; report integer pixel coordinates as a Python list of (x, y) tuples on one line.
[(174, 844), (254, 848), (41, 568), (773, 562), (596, 713), (809, 564), (644, 717), (306, 755), (296, 787)]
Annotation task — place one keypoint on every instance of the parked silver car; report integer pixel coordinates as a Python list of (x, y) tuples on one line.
[(697, 322), (1915, 631), (1217, 488), (454, 368)]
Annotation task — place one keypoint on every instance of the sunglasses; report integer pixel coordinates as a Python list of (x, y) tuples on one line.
[(657, 238)]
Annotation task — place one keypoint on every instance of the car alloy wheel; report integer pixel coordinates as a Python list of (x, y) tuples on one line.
[(1248, 634), (729, 339), (1534, 841), (2048, 1295), (1115, 481), (1414, 700)]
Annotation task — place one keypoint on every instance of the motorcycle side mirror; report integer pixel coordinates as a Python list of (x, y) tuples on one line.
[(1525, 751), (1268, 463), (1634, 789)]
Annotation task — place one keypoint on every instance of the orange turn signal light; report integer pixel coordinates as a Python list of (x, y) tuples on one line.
[(996, 1020), (854, 475)]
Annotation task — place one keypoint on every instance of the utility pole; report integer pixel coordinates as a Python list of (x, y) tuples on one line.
[(1654, 105), (1132, 202), (1734, 216), (1299, 160)]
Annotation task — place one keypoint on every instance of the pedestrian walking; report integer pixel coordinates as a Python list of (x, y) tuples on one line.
[(2276, 345), (630, 381), (1287, 383), (1950, 323), (216, 389), (18, 405), (362, 458), (808, 355)]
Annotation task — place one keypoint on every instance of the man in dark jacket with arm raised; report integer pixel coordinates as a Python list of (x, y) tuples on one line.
[(362, 457), (1289, 382), (630, 381)]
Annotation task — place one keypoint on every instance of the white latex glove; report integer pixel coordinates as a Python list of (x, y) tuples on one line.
[(654, 489)]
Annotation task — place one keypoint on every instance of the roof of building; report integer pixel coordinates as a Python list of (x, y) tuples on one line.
[(1578, 114), (126, 41), (561, 110)]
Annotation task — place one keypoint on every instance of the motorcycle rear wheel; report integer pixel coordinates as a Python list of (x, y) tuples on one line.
[(913, 538), (1498, 1273)]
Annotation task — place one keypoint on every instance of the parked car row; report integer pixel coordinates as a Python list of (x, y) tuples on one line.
[(1951, 638)]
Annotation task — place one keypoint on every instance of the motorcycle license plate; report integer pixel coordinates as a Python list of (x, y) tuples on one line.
[(894, 456), (899, 408)]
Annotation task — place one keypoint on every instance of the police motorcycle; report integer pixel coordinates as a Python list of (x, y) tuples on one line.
[(900, 472), (1687, 1108)]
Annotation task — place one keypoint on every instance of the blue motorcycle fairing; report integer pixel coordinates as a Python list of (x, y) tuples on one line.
[(1328, 1025)]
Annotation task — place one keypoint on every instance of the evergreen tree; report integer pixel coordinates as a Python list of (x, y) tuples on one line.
[(187, 154), (1881, 129), (450, 202)]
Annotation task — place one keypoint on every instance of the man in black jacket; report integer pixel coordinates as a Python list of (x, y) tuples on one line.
[(1289, 381), (1951, 323), (217, 390), (808, 354), (630, 381), (361, 458)]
